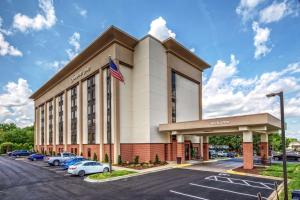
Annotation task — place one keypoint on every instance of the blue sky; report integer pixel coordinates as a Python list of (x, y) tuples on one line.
[(253, 47)]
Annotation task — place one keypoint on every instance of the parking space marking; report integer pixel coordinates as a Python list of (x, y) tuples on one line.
[(224, 190), (255, 184), (187, 195)]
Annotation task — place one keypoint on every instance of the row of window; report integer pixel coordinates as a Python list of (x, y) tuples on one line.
[(91, 118)]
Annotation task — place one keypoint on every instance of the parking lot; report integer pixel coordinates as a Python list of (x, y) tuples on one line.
[(35, 180)]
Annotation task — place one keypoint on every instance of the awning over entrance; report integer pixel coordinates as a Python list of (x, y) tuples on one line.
[(259, 123)]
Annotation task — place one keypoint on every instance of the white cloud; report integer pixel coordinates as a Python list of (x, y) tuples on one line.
[(247, 8), (2, 30), (43, 20), (261, 38), (74, 42), (274, 12), (15, 105), (81, 11), (7, 49), (192, 50), (56, 65), (159, 29), (225, 93)]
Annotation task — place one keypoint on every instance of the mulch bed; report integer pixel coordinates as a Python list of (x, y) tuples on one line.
[(255, 170), (142, 165)]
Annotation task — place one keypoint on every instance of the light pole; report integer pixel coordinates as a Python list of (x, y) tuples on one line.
[(280, 94)]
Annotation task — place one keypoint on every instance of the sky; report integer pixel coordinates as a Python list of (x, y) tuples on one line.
[(253, 48)]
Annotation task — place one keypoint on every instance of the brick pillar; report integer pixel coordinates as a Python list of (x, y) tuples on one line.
[(264, 148), (248, 149), (180, 148), (205, 148)]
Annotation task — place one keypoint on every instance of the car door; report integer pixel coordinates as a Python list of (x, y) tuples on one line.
[(97, 167), (88, 168)]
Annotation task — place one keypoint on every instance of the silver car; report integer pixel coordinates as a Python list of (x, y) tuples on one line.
[(87, 167)]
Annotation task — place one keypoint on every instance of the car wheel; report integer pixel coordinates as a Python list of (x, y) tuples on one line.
[(105, 170), (56, 163), (81, 173)]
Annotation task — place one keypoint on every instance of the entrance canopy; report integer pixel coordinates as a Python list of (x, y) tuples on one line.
[(257, 123)]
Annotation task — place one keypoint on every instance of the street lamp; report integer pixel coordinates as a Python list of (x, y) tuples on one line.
[(280, 94)]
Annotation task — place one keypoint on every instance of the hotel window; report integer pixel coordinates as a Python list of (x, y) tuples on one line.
[(173, 98), (42, 125), (60, 119), (91, 109), (74, 115), (50, 122)]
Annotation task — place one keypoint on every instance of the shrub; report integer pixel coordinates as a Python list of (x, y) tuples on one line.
[(6, 147), (120, 160), (53, 153), (81, 154), (136, 159), (95, 157), (157, 161), (106, 159)]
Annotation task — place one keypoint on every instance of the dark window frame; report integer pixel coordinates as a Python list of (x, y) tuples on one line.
[(173, 96), (42, 125), (91, 103), (50, 122), (74, 115), (60, 119)]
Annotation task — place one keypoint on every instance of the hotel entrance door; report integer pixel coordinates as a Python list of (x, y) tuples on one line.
[(187, 151)]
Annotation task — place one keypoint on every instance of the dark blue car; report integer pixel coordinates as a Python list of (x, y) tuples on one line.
[(19, 153), (36, 156), (65, 165)]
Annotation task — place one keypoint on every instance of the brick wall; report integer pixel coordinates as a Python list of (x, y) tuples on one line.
[(264, 149), (180, 151), (74, 147), (248, 155), (205, 151), (94, 149)]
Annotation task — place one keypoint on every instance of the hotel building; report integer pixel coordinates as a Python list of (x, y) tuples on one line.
[(158, 111)]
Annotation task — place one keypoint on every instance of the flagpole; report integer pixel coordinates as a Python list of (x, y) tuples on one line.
[(108, 78)]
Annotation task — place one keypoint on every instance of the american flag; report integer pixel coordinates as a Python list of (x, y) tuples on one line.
[(114, 70)]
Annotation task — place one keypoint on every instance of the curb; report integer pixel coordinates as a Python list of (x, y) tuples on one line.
[(273, 196), (87, 179)]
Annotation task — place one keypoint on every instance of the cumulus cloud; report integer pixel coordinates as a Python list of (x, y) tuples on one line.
[(247, 8), (8, 49), (226, 93), (260, 40), (56, 65), (274, 12), (43, 20), (15, 105), (74, 42), (159, 29), (2, 30)]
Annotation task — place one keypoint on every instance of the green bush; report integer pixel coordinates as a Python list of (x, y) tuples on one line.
[(95, 157), (81, 154), (120, 160), (136, 160), (53, 153), (106, 159), (156, 161), (6, 147)]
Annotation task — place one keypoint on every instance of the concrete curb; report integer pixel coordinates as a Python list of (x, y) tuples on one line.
[(87, 179), (273, 196)]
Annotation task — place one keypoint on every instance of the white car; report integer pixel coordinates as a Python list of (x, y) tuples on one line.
[(222, 154), (88, 167)]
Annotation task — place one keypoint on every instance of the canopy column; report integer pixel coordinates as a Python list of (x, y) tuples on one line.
[(205, 148), (264, 148), (248, 149), (180, 148)]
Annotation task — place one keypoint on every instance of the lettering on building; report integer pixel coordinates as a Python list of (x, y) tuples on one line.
[(220, 122), (80, 74)]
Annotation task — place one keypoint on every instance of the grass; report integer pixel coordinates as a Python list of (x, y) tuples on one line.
[(293, 170), (102, 176)]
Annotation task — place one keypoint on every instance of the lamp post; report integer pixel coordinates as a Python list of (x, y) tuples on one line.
[(280, 94)]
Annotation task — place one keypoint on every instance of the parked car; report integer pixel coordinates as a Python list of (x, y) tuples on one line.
[(60, 158), (19, 153), (66, 164), (87, 167), (222, 154), (36, 156), (212, 154), (231, 154), (291, 156)]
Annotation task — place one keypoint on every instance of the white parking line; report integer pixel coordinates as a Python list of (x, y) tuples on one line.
[(187, 195), (230, 191), (248, 183)]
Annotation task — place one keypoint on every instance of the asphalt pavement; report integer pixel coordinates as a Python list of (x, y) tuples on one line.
[(25, 180)]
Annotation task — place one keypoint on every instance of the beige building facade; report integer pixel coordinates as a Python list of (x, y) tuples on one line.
[(151, 113)]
